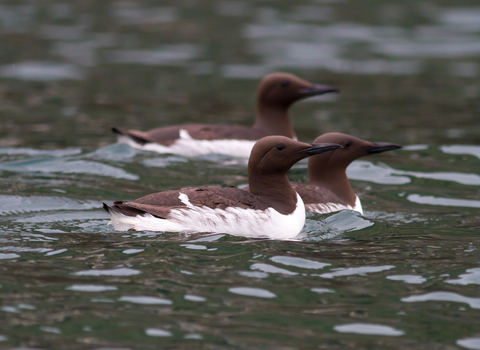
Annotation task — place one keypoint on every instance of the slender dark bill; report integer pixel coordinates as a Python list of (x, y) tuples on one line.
[(318, 89), (318, 148), (379, 147)]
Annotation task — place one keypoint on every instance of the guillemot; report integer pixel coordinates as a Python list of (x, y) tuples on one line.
[(276, 93), (328, 188), (271, 209)]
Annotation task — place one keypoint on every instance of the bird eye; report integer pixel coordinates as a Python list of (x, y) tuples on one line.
[(347, 144), (285, 83), (280, 147)]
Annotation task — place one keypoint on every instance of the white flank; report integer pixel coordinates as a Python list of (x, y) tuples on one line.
[(267, 223), (187, 146), (184, 199), (358, 206), (324, 208)]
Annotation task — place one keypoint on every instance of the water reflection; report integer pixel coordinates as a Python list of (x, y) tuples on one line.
[(122, 271), (469, 343), (131, 13), (474, 303), (351, 271), (383, 174), (252, 292), (471, 276), (90, 288), (267, 268), (157, 332), (298, 262), (67, 166), (371, 329), (59, 254), (48, 329), (41, 71), (145, 300), (451, 202), (461, 149), (4, 256), (410, 279)]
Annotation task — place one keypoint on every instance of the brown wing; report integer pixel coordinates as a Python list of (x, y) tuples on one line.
[(222, 132), (167, 135), (160, 204), (314, 194)]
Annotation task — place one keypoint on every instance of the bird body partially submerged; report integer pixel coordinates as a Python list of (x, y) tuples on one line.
[(272, 209), (328, 188), (238, 219), (276, 93)]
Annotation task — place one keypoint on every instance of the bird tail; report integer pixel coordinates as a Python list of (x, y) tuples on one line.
[(134, 136)]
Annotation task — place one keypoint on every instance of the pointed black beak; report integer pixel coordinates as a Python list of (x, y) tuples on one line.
[(318, 89), (318, 148), (379, 147)]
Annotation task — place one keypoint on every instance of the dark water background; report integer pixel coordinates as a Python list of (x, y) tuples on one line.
[(406, 275)]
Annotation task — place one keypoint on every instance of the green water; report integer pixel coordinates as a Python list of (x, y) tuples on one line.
[(405, 275)]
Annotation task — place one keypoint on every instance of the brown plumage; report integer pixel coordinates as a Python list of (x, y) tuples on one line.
[(327, 177), (328, 182), (268, 164), (276, 93)]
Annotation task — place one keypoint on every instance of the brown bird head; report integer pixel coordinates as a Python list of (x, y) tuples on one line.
[(352, 148), (270, 159), (276, 92), (274, 155), (282, 89)]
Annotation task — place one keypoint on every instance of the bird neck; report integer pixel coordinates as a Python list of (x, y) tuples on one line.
[(334, 180), (276, 191), (273, 120)]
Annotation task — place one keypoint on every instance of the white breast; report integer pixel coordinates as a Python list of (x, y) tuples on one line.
[(267, 223), (187, 146), (324, 208)]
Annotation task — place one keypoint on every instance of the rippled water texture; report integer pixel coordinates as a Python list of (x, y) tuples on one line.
[(406, 275)]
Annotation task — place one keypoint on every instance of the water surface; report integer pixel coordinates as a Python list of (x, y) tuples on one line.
[(405, 275)]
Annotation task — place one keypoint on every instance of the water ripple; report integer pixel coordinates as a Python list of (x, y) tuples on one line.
[(469, 343), (411, 279), (471, 276), (40, 152), (272, 269), (41, 71), (350, 271), (17, 204), (444, 296), (90, 288), (123, 271), (370, 329), (298, 262), (66, 166), (450, 202), (252, 292), (145, 300)]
